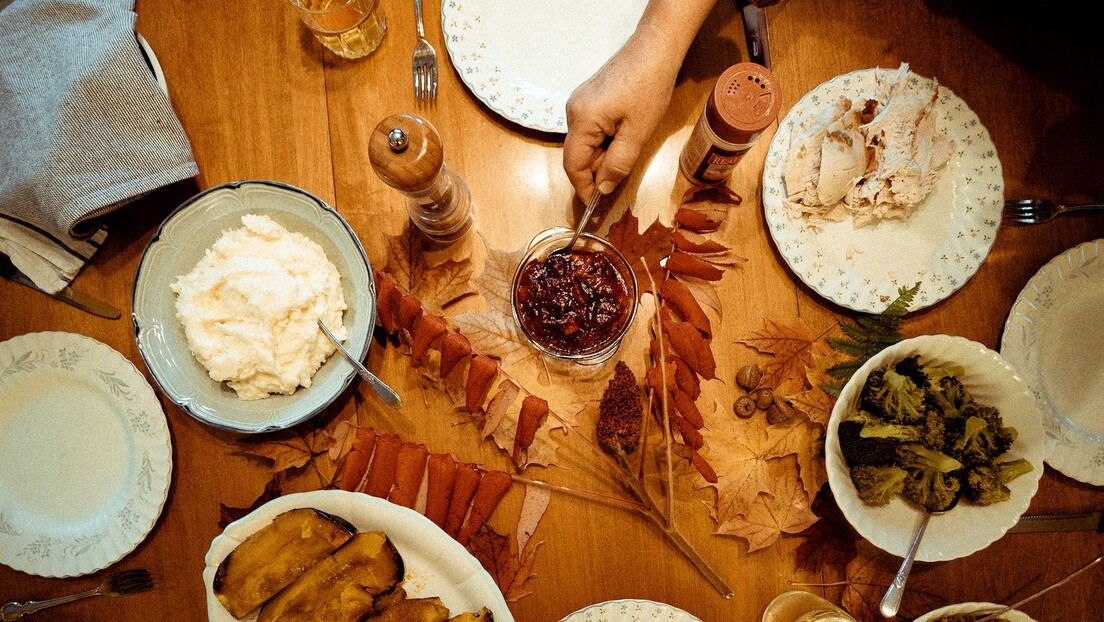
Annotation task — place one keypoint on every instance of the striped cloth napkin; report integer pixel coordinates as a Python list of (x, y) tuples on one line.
[(84, 129)]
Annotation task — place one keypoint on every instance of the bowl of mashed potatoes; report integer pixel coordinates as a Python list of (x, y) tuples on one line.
[(227, 299)]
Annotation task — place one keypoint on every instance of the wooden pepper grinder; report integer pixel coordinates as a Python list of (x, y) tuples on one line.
[(406, 152)]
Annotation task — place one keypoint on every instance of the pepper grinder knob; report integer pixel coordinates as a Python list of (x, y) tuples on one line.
[(406, 152)]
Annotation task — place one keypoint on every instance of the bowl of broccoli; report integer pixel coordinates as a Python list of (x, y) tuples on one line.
[(927, 421)]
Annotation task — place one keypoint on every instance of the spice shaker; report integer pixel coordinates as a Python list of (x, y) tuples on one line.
[(744, 102), (406, 152)]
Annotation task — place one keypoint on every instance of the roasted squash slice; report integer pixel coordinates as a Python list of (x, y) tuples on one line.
[(344, 586), (414, 610), (270, 559)]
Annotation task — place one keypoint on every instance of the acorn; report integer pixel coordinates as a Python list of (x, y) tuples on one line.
[(780, 413), (764, 398), (748, 377), (744, 407)]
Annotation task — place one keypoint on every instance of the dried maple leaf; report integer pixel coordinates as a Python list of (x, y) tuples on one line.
[(496, 280), (741, 451), (494, 335), (790, 349), (510, 570), (290, 450), (436, 285), (829, 545), (868, 576), (786, 509), (228, 514), (532, 510), (646, 249)]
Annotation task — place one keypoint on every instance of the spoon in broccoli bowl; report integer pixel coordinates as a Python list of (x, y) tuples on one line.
[(891, 602)]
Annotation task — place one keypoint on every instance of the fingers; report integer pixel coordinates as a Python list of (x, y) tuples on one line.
[(617, 162)]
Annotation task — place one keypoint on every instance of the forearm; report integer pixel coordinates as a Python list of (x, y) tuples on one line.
[(666, 30)]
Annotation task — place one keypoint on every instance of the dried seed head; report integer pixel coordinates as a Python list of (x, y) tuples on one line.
[(780, 413), (744, 407), (748, 377), (764, 398)]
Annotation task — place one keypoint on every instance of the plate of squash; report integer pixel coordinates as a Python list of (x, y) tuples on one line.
[(338, 555)]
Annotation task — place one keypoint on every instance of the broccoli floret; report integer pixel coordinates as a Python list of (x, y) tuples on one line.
[(893, 396), (981, 439), (862, 450), (948, 396), (877, 485), (988, 483), (934, 431), (913, 369), (933, 481)]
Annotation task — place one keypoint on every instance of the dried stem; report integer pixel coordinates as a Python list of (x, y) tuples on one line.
[(584, 494), (658, 330), (1050, 587)]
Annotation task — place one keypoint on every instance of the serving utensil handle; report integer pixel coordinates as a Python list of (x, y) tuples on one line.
[(16, 610)]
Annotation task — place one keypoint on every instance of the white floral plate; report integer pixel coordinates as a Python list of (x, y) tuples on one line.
[(175, 249), (630, 610), (961, 608), (940, 246), (436, 564), (86, 455), (524, 58), (967, 528), (1053, 336)]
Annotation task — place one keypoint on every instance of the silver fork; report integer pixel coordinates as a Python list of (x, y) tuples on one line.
[(1037, 211), (118, 584), (425, 62)]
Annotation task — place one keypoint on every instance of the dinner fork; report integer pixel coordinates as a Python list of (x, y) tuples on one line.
[(425, 61), (1037, 211), (118, 584)]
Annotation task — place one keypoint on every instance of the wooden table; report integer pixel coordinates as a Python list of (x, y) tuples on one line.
[(260, 99)]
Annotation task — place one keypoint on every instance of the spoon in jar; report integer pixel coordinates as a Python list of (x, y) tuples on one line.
[(891, 602), (591, 203), (385, 392)]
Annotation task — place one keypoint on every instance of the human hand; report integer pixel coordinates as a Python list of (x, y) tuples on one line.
[(611, 116)]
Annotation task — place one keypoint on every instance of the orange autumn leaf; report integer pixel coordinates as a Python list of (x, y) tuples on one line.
[(688, 343), (868, 577), (645, 250), (426, 330), (691, 242), (290, 450), (786, 509), (511, 571), (686, 264)]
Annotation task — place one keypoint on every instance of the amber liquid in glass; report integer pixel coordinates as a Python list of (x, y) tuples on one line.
[(349, 28)]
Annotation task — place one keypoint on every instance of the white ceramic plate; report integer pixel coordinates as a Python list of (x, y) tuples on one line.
[(630, 610), (1011, 616), (86, 455), (524, 58), (181, 242), (436, 565), (941, 245), (1053, 336), (966, 528)]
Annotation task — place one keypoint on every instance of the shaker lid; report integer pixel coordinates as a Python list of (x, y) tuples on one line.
[(406, 152), (744, 102)]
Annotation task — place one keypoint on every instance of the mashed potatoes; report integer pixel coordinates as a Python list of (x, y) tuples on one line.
[(250, 308)]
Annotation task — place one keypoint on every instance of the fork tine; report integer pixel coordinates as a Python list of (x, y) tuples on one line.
[(433, 80)]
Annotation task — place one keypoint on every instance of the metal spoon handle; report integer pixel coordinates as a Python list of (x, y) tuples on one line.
[(591, 203), (386, 393), (891, 602)]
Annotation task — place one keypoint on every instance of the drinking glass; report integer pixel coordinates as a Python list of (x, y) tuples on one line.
[(349, 28)]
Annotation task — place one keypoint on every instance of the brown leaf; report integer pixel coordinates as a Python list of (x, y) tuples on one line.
[(436, 285), (785, 510), (829, 545), (228, 514), (687, 342), (700, 220), (686, 264), (645, 250), (427, 329), (495, 282), (676, 294), (711, 193), (481, 374), (790, 349), (691, 242), (455, 347), (494, 335), (510, 571), (533, 412), (868, 576), (501, 401), (290, 450)]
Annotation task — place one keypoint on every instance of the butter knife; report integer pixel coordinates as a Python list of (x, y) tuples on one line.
[(68, 295), (1086, 521), (755, 29)]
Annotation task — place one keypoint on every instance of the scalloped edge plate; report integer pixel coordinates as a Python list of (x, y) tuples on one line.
[(629, 610), (436, 564), (1011, 616), (87, 455), (523, 59), (1048, 322), (941, 245), (966, 528), (178, 245)]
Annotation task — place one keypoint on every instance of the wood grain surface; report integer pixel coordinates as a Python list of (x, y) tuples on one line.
[(261, 99)]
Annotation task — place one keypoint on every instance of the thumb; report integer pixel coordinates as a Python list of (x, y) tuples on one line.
[(617, 163)]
